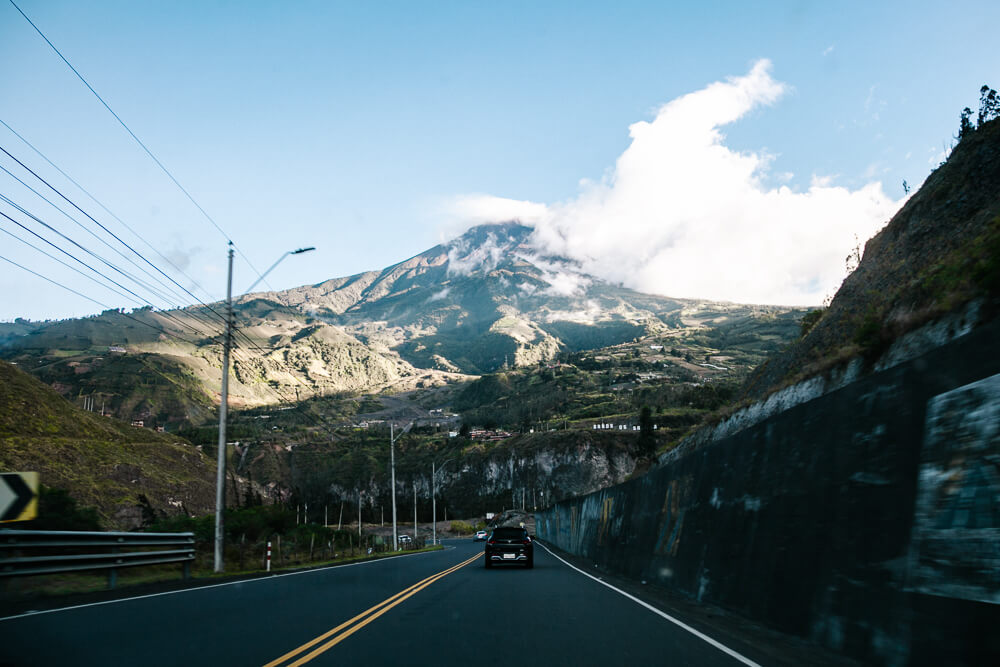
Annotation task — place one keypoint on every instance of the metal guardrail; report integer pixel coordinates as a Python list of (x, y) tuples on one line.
[(34, 552)]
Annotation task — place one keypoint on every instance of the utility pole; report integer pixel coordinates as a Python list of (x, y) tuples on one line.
[(359, 518), (414, 510), (392, 482), (220, 478), (392, 464)]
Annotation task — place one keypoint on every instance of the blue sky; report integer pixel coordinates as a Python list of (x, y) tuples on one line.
[(361, 128)]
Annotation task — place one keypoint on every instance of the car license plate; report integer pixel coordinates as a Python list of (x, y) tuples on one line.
[(509, 556)]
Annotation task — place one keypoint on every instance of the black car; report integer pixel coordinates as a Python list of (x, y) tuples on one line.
[(510, 544)]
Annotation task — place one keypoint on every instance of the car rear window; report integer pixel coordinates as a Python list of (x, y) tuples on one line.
[(509, 533)]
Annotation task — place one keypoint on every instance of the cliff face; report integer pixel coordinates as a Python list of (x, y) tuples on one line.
[(940, 252), (533, 469)]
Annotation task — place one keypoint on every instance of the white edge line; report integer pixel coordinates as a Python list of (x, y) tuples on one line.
[(722, 647), (227, 583)]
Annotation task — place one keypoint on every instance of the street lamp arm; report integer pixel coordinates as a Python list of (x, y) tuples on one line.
[(290, 252)]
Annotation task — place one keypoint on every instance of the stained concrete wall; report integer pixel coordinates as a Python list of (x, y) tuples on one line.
[(866, 519)]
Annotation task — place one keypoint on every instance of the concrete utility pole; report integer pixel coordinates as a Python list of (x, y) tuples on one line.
[(414, 510), (392, 478), (220, 478), (359, 518), (392, 483)]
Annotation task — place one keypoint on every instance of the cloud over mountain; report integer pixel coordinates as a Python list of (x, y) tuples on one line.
[(684, 215)]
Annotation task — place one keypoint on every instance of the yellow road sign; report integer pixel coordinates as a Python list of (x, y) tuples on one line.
[(18, 496)]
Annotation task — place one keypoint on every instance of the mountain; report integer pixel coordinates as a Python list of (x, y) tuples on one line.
[(478, 303), (482, 300)]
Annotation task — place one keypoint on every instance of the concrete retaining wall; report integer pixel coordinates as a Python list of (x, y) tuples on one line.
[(866, 519)]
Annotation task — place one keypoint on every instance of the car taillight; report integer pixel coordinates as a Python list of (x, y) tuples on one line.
[(490, 542), (526, 542)]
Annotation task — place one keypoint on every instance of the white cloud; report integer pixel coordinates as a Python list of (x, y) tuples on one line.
[(463, 259), (828, 50), (592, 313), (437, 296), (681, 214), (468, 210)]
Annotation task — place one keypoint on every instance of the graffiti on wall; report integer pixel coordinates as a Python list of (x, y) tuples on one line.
[(605, 520), (955, 551), (671, 519)]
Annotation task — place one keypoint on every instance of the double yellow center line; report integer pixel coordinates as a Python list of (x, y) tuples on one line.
[(348, 628)]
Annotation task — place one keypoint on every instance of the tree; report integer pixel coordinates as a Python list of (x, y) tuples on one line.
[(989, 106), (647, 441), (964, 124), (57, 510)]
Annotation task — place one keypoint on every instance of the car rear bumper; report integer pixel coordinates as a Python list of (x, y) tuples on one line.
[(500, 558)]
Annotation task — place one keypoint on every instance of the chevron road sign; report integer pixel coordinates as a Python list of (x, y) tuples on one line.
[(18, 496)]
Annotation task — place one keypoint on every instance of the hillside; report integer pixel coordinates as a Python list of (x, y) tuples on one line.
[(128, 474), (939, 253)]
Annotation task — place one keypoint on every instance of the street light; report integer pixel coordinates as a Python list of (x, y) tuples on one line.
[(434, 516), (220, 479), (392, 481), (290, 252)]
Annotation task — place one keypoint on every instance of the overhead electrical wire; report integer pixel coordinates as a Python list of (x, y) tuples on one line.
[(94, 220), (103, 305), (81, 262), (145, 285), (138, 254), (109, 211), (138, 141), (68, 266), (235, 332), (239, 352)]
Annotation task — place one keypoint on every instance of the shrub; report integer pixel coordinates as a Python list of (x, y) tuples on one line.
[(461, 527)]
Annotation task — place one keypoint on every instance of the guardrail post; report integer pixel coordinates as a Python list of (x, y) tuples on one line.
[(113, 574), (187, 569)]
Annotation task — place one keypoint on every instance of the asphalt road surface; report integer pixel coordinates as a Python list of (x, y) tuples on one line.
[(439, 608)]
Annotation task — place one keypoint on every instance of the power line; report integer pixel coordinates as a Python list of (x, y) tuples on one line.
[(68, 266), (107, 210), (94, 220), (78, 260), (116, 237), (54, 282), (91, 232), (103, 305), (137, 140)]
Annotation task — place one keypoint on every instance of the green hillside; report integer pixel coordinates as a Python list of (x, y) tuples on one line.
[(128, 474)]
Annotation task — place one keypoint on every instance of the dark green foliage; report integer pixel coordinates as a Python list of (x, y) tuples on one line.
[(989, 106), (57, 510), (965, 124), (989, 109), (647, 439), (810, 319)]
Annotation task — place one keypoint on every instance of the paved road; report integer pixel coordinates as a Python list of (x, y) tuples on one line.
[(441, 608)]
